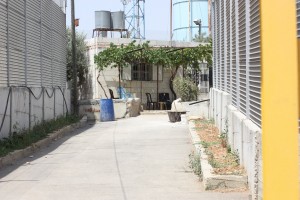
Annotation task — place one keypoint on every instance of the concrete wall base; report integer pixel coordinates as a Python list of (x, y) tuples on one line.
[(214, 181), (25, 109), (243, 136)]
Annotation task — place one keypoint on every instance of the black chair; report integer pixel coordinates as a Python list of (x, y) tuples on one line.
[(165, 98), (150, 102)]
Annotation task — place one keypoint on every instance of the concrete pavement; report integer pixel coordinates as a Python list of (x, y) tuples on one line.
[(142, 158)]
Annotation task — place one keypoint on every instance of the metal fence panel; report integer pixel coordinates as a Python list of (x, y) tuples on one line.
[(229, 46), (3, 44), (242, 55), (16, 40), (237, 70), (233, 54), (222, 49), (255, 64), (30, 31)]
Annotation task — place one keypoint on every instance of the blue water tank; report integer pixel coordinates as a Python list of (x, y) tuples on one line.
[(107, 112)]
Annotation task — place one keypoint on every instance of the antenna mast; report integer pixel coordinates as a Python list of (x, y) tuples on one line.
[(135, 18)]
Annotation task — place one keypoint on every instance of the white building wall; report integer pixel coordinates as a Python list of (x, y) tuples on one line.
[(109, 77)]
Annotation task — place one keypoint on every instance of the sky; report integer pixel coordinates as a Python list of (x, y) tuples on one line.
[(157, 16)]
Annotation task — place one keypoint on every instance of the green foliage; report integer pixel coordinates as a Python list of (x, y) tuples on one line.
[(186, 89), (123, 56), (202, 38), (38, 132), (82, 63)]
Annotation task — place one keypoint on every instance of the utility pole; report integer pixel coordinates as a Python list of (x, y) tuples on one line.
[(74, 85), (171, 20)]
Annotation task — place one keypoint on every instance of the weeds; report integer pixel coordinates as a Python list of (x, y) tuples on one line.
[(24, 138), (195, 164)]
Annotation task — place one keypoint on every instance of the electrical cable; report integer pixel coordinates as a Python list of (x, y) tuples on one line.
[(50, 96), (4, 115), (37, 98), (64, 99), (30, 90)]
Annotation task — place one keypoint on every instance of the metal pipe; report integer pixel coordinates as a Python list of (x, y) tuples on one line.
[(199, 101)]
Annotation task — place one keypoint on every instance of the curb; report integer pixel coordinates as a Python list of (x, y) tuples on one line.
[(16, 155), (214, 181), (154, 112)]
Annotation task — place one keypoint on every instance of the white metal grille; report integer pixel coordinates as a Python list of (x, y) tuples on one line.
[(217, 21), (242, 54), (233, 54), (228, 45), (255, 65), (214, 45), (3, 44), (237, 34), (30, 30), (222, 49), (16, 40)]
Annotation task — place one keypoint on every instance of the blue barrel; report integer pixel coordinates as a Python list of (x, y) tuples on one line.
[(107, 112)]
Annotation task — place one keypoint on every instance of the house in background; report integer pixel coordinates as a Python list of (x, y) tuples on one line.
[(135, 80)]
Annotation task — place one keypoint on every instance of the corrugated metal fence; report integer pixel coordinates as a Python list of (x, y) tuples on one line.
[(32, 43), (236, 46)]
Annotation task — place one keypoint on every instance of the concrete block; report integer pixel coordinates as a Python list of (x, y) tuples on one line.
[(59, 103), (20, 109), (219, 105), (49, 104), (230, 110), (249, 151), (36, 108), (90, 108), (238, 119), (120, 108), (226, 101)]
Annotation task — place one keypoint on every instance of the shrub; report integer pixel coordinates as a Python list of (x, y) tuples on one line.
[(186, 89)]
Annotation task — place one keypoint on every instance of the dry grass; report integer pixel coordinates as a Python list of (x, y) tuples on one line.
[(220, 156)]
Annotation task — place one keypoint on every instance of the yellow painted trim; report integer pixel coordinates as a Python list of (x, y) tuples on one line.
[(280, 100)]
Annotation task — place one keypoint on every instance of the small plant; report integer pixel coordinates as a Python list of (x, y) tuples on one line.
[(224, 135), (186, 89), (235, 155), (195, 164), (25, 138)]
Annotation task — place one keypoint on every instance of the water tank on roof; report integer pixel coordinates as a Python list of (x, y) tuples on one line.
[(118, 20), (102, 19)]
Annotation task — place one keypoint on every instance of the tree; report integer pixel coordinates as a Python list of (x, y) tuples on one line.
[(82, 63), (202, 38), (169, 58)]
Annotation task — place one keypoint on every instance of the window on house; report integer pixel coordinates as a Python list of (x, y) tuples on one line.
[(141, 72)]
